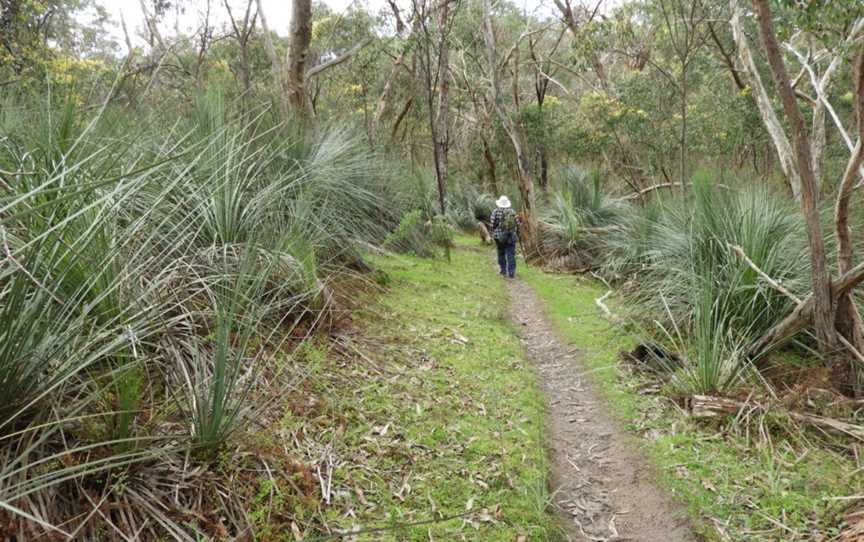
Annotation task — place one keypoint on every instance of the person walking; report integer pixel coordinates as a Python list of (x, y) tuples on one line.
[(505, 231)]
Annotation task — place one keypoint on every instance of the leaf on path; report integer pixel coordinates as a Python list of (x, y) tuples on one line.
[(458, 338), (404, 490), (361, 496), (380, 429)]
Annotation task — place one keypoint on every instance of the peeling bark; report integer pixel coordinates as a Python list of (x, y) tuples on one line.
[(766, 109), (823, 313)]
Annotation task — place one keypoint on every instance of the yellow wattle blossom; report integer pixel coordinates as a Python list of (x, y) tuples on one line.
[(68, 70)]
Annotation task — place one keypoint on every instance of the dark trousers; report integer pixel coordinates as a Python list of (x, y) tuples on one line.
[(506, 258)]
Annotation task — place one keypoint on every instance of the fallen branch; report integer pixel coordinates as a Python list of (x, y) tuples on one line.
[(652, 188), (608, 314), (648, 190), (771, 282), (802, 315), (777, 286), (707, 406)]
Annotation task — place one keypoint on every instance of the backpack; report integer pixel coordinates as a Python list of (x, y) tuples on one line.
[(507, 233)]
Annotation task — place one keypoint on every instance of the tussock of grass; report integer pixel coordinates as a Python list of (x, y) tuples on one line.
[(733, 479)]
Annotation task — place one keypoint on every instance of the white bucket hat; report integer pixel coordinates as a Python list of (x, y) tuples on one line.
[(503, 202)]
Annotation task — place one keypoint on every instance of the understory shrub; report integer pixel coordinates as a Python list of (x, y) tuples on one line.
[(466, 206), (579, 215), (678, 251), (420, 237)]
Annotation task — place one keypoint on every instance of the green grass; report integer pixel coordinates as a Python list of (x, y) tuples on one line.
[(444, 418), (729, 476)]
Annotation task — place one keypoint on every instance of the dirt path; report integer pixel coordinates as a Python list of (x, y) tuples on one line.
[(602, 485)]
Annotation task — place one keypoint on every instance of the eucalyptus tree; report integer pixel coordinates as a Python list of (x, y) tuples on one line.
[(830, 308), (243, 30), (510, 118), (685, 24), (434, 60), (292, 76)]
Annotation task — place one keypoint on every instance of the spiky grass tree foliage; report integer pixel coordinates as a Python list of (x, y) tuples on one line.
[(580, 213), (149, 278), (679, 252), (466, 206)]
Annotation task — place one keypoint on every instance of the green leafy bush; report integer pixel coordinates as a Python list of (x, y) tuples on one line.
[(411, 236)]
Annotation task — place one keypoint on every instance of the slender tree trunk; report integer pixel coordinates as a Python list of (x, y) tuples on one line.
[(823, 313), (516, 134), (276, 68), (442, 114), (300, 35), (684, 128), (544, 169), (386, 94), (490, 166), (848, 319), (820, 141), (399, 118)]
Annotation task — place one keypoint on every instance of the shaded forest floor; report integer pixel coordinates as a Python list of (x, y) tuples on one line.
[(423, 419)]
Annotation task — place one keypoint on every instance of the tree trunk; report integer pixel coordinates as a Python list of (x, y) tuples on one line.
[(299, 37), (442, 114), (820, 139), (386, 94), (490, 166), (848, 320), (276, 67), (684, 128), (823, 313), (526, 190), (516, 133), (399, 118), (544, 169), (766, 108)]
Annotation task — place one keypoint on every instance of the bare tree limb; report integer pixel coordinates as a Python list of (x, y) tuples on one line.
[(316, 70), (773, 283)]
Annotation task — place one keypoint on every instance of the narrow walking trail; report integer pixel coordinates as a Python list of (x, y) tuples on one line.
[(603, 487)]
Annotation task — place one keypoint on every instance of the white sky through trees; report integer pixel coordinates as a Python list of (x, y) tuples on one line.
[(278, 13)]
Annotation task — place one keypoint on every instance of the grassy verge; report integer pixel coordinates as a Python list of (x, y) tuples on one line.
[(750, 481), (437, 414)]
